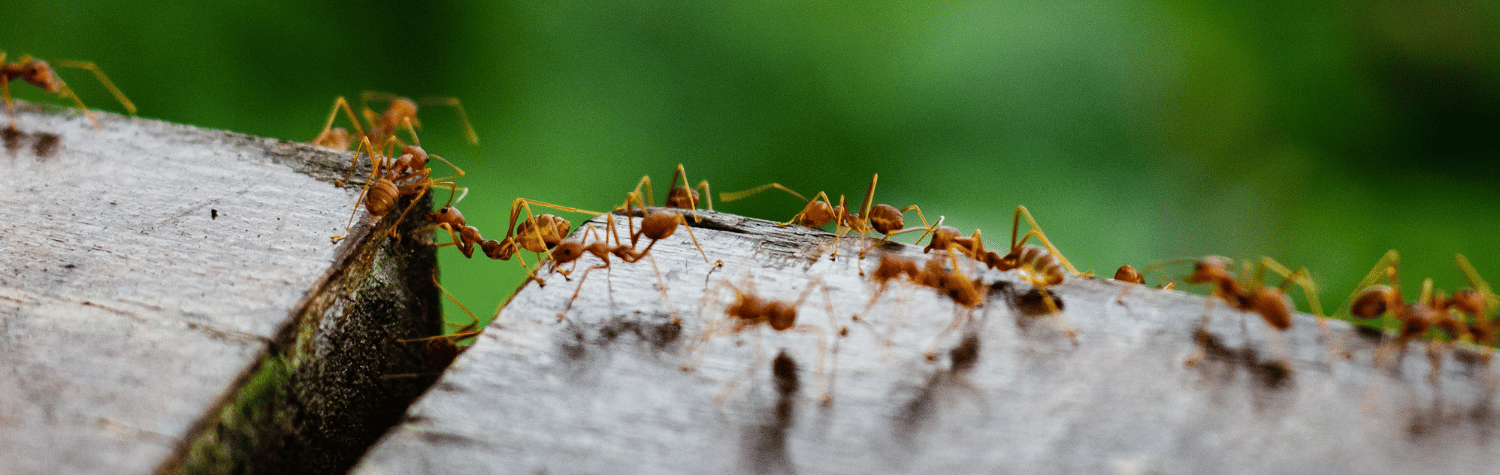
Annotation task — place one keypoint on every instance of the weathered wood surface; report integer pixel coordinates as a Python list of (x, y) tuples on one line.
[(604, 393), (150, 270)]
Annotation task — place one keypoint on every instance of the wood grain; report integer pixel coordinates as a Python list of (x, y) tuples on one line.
[(149, 271), (605, 392)]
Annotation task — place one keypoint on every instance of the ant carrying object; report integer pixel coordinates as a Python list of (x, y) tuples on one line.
[(750, 311), (382, 127), (1253, 296), (40, 74), (406, 175), (883, 218), (1430, 311)]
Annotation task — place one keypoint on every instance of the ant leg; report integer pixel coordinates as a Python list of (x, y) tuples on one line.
[(1302, 278), (726, 197), (364, 191), (1201, 335), (324, 136), (1052, 309), (708, 197), (661, 284), (5, 91), (1482, 320), (465, 331), (683, 221), (459, 108), (563, 314), (760, 354), (673, 185), (120, 96), (650, 197), (1015, 225)]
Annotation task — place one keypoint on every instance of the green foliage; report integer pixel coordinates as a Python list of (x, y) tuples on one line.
[(1318, 134)]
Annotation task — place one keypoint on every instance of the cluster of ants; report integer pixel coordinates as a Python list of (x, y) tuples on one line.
[(1465, 317)]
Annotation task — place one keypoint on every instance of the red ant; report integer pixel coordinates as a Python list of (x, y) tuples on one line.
[(40, 74), (965, 292), (382, 127), (883, 218), (1128, 274), (1430, 311), (572, 250), (536, 233), (406, 175), (461, 235), (1039, 267), (1270, 302), (682, 197), (750, 311)]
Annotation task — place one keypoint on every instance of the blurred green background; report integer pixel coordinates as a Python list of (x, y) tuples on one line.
[(1321, 134)]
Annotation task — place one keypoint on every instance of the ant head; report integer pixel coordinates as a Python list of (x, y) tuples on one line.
[(1468, 301), (499, 250), (1127, 273), (402, 108), (1372, 302), (781, 315), (682, 197), (449, 215), (886, 218), (659, 224), (40, 74), (1210, 269), (418, 156), (565, 252), (942, 236)]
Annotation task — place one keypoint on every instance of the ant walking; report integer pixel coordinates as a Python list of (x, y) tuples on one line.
[(382, 128), (40, 74), (1271, 303), (883, 218), (682, 197), (749, 311), (1430, 311), (406, 175)]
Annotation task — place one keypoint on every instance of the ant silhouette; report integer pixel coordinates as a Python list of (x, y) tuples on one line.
[(749, 311), (382, 128), (406, 175), (40, 74), (882, 218)]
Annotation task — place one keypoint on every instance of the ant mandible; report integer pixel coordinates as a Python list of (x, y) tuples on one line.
[(40, 74), (749, 311), (382, 127)]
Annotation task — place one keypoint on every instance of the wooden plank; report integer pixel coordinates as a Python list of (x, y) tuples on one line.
[(604, 392), (150, 270)]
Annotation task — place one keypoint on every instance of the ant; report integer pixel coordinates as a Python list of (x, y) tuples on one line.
[(441, 350), (1430, 311), (382, 127), (40, 74), (750, 311), (1039, 267), (964, 292), (1270, 302), (537, 233), (406, 175), (682, 197), (449, 218), (1128, 274), (571, 250), (882, 218)]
